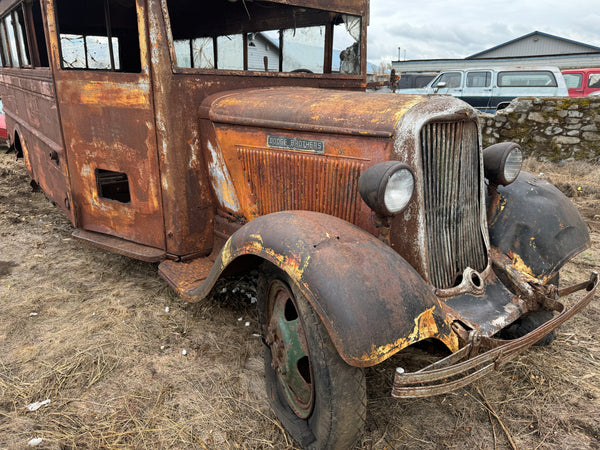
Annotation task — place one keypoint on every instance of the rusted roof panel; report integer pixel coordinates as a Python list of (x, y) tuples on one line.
[(357, 7)]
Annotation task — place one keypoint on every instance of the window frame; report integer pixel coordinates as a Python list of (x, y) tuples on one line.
[(439, 79), (109, 36), (574, 75), (16, 51), (25, 40), (472, 73), (524, 73), (4, 46), (22, 35), (592, 75), (327, 64)]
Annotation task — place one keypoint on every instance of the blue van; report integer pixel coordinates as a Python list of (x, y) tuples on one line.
[(492, 89)]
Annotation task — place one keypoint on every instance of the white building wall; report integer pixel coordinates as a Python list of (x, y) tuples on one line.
[(533, 46), (562, 62), (258, 51)]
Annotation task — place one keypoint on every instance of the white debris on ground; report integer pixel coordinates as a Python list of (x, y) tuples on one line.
[(35, 442), (37, 405)]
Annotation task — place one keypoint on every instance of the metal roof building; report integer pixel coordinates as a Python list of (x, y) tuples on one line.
[(533, 49)]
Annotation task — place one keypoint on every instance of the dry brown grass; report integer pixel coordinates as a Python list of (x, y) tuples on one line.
[(108, 355), (574, 178)]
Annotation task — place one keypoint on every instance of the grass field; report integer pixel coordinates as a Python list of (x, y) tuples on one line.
[(125, 363)]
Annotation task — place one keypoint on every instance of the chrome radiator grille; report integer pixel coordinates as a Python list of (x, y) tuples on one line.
[(450, 153)]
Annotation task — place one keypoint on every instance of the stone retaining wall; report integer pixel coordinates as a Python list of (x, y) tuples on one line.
[(553, 129)]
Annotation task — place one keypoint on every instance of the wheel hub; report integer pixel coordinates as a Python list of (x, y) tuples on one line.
[(289, 349)]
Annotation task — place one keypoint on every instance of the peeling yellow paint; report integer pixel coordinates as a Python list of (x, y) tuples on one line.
[(294, 265), (449, 338), (98, 93), (502, 204), (521, 266), (425, 327)]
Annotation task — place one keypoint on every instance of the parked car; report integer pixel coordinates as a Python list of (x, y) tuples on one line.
[(492, 89), (410, 80), (582, 82)]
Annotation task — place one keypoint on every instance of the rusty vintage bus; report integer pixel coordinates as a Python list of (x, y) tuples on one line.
[(226, 136)]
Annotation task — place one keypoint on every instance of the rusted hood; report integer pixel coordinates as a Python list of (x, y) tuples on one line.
[(311, 109)]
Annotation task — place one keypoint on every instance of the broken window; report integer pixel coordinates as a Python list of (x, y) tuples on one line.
[(303, 49), (262, 36), (196, 53), (346, 43), (230, 52), (263, 51), (17, 39), (20, 32), (4, 45), (13, 47), (40, 37), (99, 35)]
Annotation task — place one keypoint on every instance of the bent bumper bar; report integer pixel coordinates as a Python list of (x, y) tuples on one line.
[(467, 365)]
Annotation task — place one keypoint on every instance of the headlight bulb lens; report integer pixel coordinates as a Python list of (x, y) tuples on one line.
[(512, 166), (399, 190)]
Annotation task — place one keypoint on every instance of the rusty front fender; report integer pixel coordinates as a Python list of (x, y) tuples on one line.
[(372, 302), (535, 225)]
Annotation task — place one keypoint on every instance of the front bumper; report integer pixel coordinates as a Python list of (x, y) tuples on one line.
[(481, 354)]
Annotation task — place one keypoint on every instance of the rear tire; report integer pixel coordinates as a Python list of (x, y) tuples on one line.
[(319, 399)]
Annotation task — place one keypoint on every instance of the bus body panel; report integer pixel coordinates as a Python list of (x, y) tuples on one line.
[(32, 120), (109, 131)]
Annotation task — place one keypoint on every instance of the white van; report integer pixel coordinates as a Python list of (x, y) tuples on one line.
[(492, 89)]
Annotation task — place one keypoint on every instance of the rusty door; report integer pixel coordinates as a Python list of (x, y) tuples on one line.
[(101, 67)]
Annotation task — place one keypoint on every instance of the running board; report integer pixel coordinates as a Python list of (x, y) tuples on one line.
[(120, 246), (183, 276)]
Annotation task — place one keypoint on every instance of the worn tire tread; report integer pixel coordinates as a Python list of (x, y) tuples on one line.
[(346, 384)]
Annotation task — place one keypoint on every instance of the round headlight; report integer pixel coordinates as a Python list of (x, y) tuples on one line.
[(399, 190), (387, 187), (512, 165), (502, 163)]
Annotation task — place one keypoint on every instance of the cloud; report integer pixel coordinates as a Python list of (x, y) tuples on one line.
[(440, 29)]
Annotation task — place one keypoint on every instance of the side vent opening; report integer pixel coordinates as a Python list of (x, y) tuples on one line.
[(113, 185)]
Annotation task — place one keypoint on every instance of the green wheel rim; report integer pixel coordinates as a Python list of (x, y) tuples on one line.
[(286, 337)]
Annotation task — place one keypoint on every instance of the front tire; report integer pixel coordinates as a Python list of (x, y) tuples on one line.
[(319, 399), (528, 323)]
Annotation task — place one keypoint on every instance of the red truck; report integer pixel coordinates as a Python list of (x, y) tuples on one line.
[(582, 82)]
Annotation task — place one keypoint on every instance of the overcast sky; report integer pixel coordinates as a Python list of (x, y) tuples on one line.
[(455, 29)]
